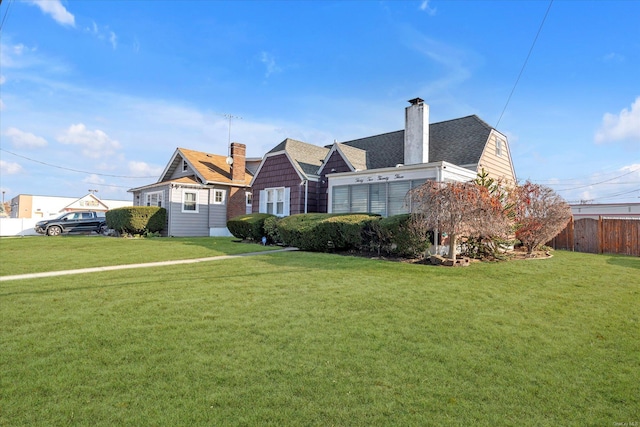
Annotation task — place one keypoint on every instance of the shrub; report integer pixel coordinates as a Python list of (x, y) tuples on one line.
[(250, 226), (271, 230), (398, 235), (137, 219), (324, 232)]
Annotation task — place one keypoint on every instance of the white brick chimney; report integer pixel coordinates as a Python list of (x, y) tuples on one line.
[(416, 133)]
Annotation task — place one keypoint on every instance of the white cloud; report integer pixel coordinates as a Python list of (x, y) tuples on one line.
[(95, 143), (621, 127), (424, 6), (3, 80), (56, 10), (270, 62), (10, 168), (94, 179), (103, 33), (144, 169), (113, 39), (21, 139), (613, 57)]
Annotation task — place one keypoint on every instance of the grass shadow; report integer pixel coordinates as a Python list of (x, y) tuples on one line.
[(627, 261)]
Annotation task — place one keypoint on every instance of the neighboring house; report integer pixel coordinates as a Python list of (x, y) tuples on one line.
[(28, 206), (374, 174), (201, 191), (609, 210)]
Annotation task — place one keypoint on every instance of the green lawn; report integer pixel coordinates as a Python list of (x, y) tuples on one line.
[(317, 339), (39, 253)]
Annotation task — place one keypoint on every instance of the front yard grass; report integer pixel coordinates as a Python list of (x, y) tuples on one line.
[(37, 254), (319, 339)]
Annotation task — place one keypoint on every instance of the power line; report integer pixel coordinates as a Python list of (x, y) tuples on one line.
[(610, 196), (524, 65), (76, 170), (598, 183), (6, 14)]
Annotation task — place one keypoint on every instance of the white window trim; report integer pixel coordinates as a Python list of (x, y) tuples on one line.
[(286, 207), (248, 198), (184, 193), (224, 196), (147, 197)]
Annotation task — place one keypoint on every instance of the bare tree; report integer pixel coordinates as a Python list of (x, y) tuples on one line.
[(540, 214), (458, 208)]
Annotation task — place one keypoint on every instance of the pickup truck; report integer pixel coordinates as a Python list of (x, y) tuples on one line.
[(73, 222)]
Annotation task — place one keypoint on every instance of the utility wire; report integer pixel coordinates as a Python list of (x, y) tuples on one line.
[(598, 183), (76, 170), (6, 13), (524, 65)]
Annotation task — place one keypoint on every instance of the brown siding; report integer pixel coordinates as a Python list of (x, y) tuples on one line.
[(336, 162), (277, 171)]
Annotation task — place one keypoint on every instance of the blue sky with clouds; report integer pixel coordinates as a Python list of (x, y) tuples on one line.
[(99, 94)]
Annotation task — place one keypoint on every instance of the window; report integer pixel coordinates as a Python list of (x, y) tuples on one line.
[(275, 201), (190, 201), (340, 199), (397, 193), (498, 147), (185, 166), (359, 198), (380, 198), (249, 198), (218, 197), (154, 199)]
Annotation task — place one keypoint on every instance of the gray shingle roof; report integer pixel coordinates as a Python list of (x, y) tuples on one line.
[(458, 141)]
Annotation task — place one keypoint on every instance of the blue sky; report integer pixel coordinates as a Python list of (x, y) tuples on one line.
[(99, 94)]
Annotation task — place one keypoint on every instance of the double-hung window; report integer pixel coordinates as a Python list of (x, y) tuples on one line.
[(275, 201), (189, 201)]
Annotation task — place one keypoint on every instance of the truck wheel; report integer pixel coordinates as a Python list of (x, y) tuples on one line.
[(54, 231)]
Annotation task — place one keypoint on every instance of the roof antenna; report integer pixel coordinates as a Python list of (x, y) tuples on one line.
[(229, 117)]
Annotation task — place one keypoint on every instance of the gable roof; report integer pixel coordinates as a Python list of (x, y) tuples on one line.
[(210, 168), (306, 158), (459, 141)]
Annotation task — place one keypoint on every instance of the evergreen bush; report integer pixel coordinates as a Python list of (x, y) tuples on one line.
[(137, 219), (249, 226), (325, 232)]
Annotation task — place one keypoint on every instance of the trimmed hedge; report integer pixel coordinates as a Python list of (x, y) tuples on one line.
[(137, 219), (250, 226), (325, 232), (397, 235)]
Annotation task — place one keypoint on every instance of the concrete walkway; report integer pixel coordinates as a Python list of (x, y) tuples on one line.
[(129, 266)]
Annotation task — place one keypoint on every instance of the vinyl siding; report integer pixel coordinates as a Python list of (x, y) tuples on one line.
[(189, 224), (498, 167)]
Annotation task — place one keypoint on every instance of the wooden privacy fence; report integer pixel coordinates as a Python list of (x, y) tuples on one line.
[(600, 236)]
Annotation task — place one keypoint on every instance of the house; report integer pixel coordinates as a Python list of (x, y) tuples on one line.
[(201, 191), (374, 174), (42, 207)]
